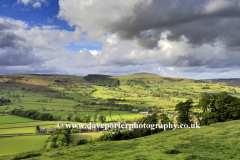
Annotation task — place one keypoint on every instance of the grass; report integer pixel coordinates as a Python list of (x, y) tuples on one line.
[(90, 135), (217, 142), (28, 124), (18, 130), (18, 144), (123, 114), (14, 119)]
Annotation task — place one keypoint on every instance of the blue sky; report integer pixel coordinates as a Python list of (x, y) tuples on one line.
[(188, 39), (34, 16), (46, 15)]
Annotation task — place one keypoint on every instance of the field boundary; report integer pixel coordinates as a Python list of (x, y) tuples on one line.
[(28, 126), (20, 122)]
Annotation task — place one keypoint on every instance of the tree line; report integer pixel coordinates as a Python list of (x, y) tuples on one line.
[(211, 109), (32, 114), (135, 132), (4, 101)]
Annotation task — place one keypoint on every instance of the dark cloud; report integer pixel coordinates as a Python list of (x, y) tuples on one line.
[(8, 39), (7, 25), (147, 40), (199, 21), (15, 50)]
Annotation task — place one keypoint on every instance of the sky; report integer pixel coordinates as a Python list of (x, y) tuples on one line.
[(173, 38)]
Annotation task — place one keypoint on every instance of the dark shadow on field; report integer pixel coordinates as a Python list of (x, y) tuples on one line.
[(31, 81)]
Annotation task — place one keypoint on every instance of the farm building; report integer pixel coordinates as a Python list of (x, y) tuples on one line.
[(51, 130), (43, 130), (134, 110), (172, 115), (145, 112)]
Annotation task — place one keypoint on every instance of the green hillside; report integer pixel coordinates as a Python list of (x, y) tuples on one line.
[(235, 82), (62, 95), (219, 141)]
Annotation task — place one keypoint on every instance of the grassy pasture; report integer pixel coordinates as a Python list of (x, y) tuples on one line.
[(115, 115), (15, 125), (91, 135), (18, 144), (17, 130), (14, 119)]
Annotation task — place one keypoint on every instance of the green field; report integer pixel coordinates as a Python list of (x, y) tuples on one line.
[(14, 119), (123, 114), (18, 144), (91, 135), (11, 124)]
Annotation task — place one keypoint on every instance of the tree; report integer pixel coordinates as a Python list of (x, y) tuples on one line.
[(86, 118), (183, 109), (149, 119), (219, 108), (156, 110), (63, 118), (94, 117), (101, 118), (209, 118), (43, 108), (50, 117), (205, 101), (226, 106), (75, 111), (93, 103), (163, 118), (75, 118), (67, 118), (37, 129)]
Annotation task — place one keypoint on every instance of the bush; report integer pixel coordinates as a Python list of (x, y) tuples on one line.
[(60, 144), (51, 145), (26, 155), (75, 118), (172, 151), (209, 118), (81, 141), (93, 103), (60, 137), (53, 138)]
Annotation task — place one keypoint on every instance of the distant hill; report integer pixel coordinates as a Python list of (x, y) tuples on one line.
[(43, 80), (139, 89), (235, 82), (151, 78), (102, 80)]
